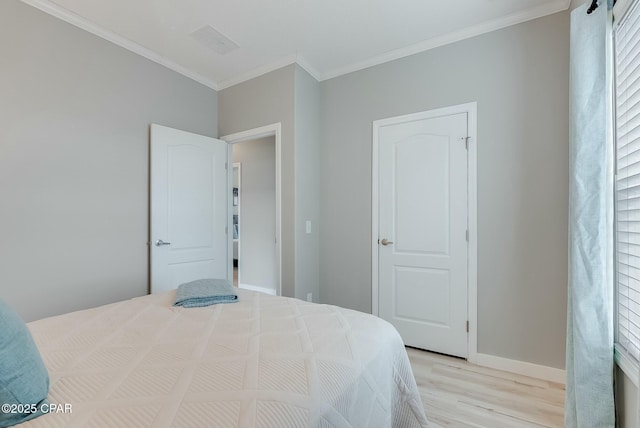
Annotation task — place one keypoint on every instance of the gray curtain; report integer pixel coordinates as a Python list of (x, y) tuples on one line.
[(589, 393)]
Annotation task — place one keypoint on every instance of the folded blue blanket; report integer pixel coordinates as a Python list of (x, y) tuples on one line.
[(205, 292)]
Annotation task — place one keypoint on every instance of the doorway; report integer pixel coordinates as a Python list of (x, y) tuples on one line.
[(424, 230), (254, 214), (254, 209), (235, 203)]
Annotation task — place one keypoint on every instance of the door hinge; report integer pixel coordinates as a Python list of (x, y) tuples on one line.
[(226, 230), (467, 326), (466, 142), (467, 235)]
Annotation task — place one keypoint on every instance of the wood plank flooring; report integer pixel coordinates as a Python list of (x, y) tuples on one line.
[(459, 394)]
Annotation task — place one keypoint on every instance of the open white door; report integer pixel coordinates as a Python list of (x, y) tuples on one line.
[(189, 208), (423, 250)]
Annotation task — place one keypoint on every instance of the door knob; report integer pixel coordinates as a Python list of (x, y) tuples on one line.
[(386, 242), (160, 242)]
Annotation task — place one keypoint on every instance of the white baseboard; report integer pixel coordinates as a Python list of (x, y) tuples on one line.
[(520, 367), (257, 288)]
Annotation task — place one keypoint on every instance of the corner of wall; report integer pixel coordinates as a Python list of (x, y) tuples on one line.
[(307, 184)]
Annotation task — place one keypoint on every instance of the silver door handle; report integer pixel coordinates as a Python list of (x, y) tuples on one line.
[(160, 242), (386, 242)]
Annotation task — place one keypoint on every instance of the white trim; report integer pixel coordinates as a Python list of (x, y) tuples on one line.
[(80, 22), (472, 158), (256, 72), (455, 36), (275, 130), (627, 364), (253, 134), (523, 368), (262, 70), (72, 18), (257, 288), (309, 68)]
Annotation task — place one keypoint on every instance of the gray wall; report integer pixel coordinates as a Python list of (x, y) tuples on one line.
[(519, 77), (292, 97), (262, 101), (257, 222), (307, 155), (74, 121), (74, 168)]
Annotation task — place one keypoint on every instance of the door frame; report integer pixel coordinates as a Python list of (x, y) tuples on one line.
[(472, 210), (273, 130)]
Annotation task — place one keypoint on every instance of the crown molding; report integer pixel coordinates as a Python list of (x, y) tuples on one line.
[(456, 36), (72, 18), (80, 22), (309, 68), (257, 72)]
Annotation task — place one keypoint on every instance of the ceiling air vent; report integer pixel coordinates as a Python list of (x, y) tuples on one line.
[(214, 40)]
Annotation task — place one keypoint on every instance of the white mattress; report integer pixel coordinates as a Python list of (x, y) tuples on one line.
[(265, 361)]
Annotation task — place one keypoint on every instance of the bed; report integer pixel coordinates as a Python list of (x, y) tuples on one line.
[(265, 361)]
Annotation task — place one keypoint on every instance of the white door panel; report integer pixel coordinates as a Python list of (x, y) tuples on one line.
[(421, 204), (422, 211), (188, 208)]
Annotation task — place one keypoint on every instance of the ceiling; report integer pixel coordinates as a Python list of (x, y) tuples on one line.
[(326, 37)]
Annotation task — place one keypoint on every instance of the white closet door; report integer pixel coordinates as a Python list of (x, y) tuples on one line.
[(422, 259)]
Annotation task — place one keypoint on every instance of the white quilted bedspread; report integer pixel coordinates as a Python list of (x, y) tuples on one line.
[(265, 361)]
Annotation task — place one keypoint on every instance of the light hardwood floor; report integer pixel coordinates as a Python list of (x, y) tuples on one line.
[(459, 394)]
